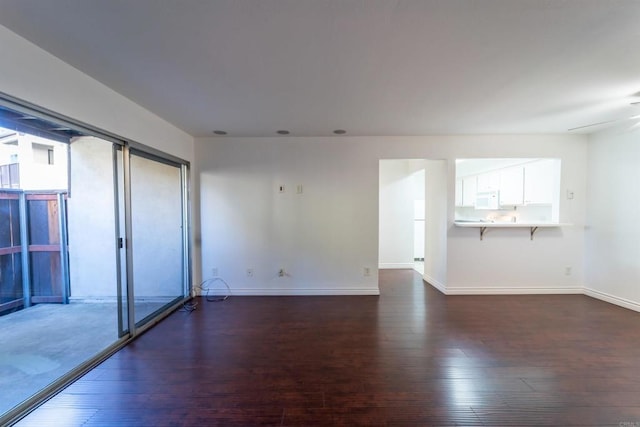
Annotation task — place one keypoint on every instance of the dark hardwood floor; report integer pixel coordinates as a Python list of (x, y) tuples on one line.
[(411, 357)]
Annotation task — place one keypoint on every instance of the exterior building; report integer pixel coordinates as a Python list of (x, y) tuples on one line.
[(29, 162)]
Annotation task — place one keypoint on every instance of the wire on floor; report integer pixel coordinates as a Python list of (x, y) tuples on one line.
[(189, 306), (207, 286)]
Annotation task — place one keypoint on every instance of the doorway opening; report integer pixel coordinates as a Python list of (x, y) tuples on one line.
[(413, 217), (402, 214)]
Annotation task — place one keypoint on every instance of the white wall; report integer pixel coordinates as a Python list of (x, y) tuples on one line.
[(91, 223), (419, 211), (324, 238), (436, 221), (329, 234), (42, 79), (396, 214), (613, 230)]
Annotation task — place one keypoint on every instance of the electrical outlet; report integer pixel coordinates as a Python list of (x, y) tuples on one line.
[(567, 271), (249, 272), (367, 272), (299, 189), (214, 272), (281, 189)]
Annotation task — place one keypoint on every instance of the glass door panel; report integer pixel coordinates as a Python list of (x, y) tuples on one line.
[(58, 269), (156, 235)]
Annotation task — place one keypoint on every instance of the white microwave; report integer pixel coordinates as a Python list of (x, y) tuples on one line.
[(487, 200)]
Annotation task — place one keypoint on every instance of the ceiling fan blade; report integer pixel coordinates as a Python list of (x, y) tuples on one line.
[(595, 124), (637, 116)]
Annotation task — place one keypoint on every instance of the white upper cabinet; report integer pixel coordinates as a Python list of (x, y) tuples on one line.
[(512, 186), (469, 191), (539, 182), (489, 181)]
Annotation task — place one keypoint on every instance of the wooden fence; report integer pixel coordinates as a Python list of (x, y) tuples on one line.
[(33, 249)]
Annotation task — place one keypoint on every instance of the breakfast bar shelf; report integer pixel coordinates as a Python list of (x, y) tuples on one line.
[(483, 226)]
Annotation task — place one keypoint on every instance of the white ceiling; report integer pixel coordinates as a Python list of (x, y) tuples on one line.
[(371, 67)]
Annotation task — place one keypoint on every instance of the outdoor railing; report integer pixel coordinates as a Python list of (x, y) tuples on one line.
[(10, 175)]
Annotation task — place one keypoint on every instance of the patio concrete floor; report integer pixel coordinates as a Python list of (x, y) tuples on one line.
[(41, 343)]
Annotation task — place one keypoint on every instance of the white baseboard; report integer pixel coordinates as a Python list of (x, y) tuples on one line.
[(467, 290), (510, 291), (622, 302), (302, 292), (395, 265), (435, 283)]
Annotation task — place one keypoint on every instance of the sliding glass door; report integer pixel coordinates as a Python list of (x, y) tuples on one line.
[(94, 245), (158, 245)]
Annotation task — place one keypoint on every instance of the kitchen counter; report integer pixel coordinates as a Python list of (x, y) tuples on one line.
[(532, 226)]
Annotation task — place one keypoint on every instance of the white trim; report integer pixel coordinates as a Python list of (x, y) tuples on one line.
[(603, 296), (435, 283), (622, 302), (396, 265), (302, 292), (511, 291)]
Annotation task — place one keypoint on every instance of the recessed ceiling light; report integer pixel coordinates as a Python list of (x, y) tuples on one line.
[(339, 131), (219, 132), (283, 132)]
